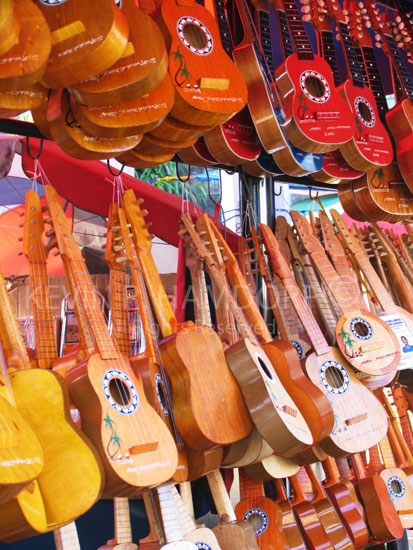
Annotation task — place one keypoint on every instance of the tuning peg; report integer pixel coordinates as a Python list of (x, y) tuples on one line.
[(138, 201), (151, 236), (118, 248), (147, 225), (142, 213), (307, 18), (399, 44), (378, 45), (182, 232), (121, 259), (338, 37), (305, 9)]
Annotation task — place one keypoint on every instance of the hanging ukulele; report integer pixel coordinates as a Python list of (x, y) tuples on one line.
[(317, 119), (363, 338), (370, 146), (358, 415), (116, 415)]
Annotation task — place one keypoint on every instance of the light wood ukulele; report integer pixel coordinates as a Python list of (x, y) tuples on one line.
[(209, 409), (280, 422), (123, 530), (368, 344), (357, 413), (170, 519), (148, 364), (400, 320), (87, 39), (115, 413)]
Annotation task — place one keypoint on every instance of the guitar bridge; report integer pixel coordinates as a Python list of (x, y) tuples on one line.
[(327, 115), (289, 410), (375, 139), (356, 419), (143, 448)]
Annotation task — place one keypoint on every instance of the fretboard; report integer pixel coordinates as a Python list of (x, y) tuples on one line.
[(374, 281), (375, 81), (248, 487), (119, 305), (66, 537), (400, 66), (298, 32), (353, 64), (123, 529), (223, 25), (329, 54)]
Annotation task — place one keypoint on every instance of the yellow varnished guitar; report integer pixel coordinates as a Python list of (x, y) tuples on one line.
[(72, 479), (135, 445)]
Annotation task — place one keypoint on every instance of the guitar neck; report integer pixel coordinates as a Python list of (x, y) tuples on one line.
[(123, 529), (156, 533), (286, 43), (119, 307), (265, 38), (374, 281), (66, 537), (224, 30), (170, 520), (328, 52), (249, 488), (220, 496), (375, 83), (354, 68), (299, 34), (44, 333)]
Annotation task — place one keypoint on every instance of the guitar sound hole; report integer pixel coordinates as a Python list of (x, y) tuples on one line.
[(334, 377), (119, 392), (195, 36), (314, 86), (396, 487), (364, 112), (256, 522), (361, 329), (265, 368)]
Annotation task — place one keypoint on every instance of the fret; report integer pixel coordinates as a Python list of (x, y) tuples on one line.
[(375, 80), (265, 38), (171, 525), (66, 537), (298, 32), (123, 530), (351, 56), (223, 25), (286, 42), (360, 58), (329, 54)]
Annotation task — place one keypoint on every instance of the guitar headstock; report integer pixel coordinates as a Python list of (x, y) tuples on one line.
[(33, 246), (193, 258), (348, 238), (275, 257), (330, 239), (262, 5), (65, 241), (136, 217), (335, 11), (318, 15), (310, 243), (217, 245), (359, 22), (197, 238), (379, 21), (281, 234), (400, 400), (115, 246)]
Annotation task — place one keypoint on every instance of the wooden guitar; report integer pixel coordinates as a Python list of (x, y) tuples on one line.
[(399, 319), (65, 446), (123, 530), (127, 118), (231, 533), (139, 160), (402, 407), (202, 537), (198, 154), (381, 193), (170, 519), (115, 413), (261, 512), (141, 68), (148, 364), (335, 169), (209, 87), (253, 55), (22, 457), (24, 64), (329, 370), (9, 26), (209, 410), (382, 518), (370, 146), (328, 515), (314, 534), (86, 40), (400, 118), (345, 503), (365, 340), (253, 370), (317, 119)]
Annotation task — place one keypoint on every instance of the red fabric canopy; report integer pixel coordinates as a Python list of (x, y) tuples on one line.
[(89, 185)]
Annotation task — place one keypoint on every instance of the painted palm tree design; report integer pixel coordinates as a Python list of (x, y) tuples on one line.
[(182, 75), (379, 175), (302, 105), (113, 446), (348, 343), (359, 128)]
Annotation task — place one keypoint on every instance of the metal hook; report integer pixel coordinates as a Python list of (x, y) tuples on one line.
[(310, 192), (279, 192), (113, 173), (182, 180), (40, 149)]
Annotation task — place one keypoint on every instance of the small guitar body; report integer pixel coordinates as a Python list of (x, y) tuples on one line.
[(224, 421), (335, 169), (136, 446), (317, 118), (24, 64), (87, 39), (9, 26), (371, 146), (75, 141), (360, 420), (209, 87)]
